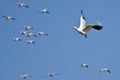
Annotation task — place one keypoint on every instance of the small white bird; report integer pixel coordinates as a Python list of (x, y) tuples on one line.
[(25, 76), (84, 65), (42, 33), (44, 11), (52, 74), (16, 39), (28, 27), (105, 70), (84, 28), (8, 17), (21, 4), (29, 34), (24, 32), (30, 41)]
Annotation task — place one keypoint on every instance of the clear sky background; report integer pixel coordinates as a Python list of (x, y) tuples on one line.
[(64, 49)]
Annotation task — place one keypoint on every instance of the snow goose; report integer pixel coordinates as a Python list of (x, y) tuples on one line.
[(52, 74), (21, 4), (105, 70), (25, 76), (84, 65), (30, 41), (8, 17), (30, 34), (24, 32), (44, 11), (16, 39), (84, 28), (42, 33), (28, 27)]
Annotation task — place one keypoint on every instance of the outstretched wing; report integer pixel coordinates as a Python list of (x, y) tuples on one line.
[(97, 27), (82, 21), (88, 27), (26, 6)]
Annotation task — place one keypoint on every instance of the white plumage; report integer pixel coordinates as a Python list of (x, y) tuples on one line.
[(84, 28), (30, 34), (24, 32), (105, 70), (42, 33), (17, 39), (30, 41), (8, 17), (25, 76), (84, 65), (28, 27), (52, 74), (21, 4), (44, 11)]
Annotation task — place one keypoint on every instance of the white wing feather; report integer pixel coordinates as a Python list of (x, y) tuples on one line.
[(82, 23)]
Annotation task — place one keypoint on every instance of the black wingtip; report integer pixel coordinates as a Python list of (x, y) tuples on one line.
[(81, 11), (48, 12), (3, 15), (27, 6), (98, 27), (13, 18)]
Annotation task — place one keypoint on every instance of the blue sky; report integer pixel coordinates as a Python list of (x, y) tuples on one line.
[(64, 49)]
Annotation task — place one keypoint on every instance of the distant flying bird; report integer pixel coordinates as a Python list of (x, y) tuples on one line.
[(30, 41), (21, 4), (28, 27), (24, 32), (8, 17), (84, 28), (84, 65), (29, 34), (42, 33), (44, 11), (25, 76), (52, 74), (105, 70), (17, 39)]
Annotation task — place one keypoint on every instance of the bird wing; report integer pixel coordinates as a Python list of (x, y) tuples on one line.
[(82, 23), (13, 18), (109, 71), (87, 28), (26, 6), (94, 26)]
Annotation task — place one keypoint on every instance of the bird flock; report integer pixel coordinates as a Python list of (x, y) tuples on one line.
[(27, 29), (27, 32), (52, 74)]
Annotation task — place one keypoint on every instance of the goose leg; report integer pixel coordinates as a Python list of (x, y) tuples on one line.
[(86, 36)]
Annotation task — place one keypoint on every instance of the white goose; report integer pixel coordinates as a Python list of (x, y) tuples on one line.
[(84, 65), (52, 74), (84, 28), (44, 11), (30, 41), (24, 32), (21, 4), (25, 76), (30, 34), (28, 27), (8, 17), (42, 33), (105, 70), (17, 39)]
